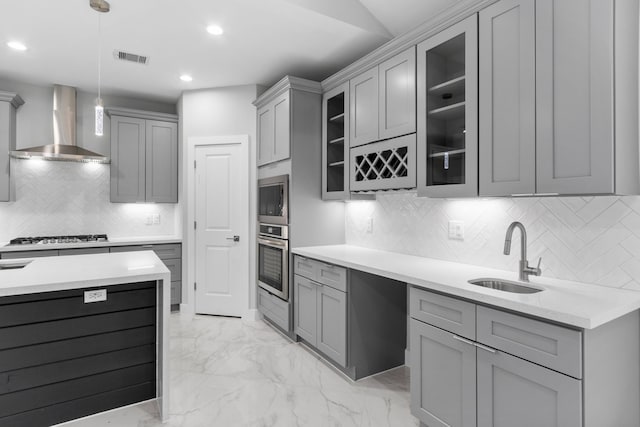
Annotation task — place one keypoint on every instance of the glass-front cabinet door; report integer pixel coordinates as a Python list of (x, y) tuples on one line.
[(335, 143), (447, 139)]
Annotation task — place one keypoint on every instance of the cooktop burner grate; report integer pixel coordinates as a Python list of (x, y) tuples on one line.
[(81, 238)]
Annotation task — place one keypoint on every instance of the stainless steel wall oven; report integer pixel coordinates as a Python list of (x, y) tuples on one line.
[(273, 259)]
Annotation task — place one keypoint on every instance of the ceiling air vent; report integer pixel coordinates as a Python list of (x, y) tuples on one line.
[(131, 57)]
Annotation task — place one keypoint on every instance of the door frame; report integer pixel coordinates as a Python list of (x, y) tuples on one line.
[(189, 247)]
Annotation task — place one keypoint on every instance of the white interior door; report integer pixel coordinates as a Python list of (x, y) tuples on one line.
[(221, 212)]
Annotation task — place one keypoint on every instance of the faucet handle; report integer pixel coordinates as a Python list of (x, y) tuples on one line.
[(538, 271)]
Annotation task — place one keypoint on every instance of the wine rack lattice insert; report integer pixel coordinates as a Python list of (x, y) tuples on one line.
[(383, 164)]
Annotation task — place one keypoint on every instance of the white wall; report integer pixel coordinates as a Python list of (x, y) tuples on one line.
[(218, 112), (55, 198), (586, 239)]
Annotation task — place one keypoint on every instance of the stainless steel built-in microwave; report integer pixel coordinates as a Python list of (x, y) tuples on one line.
[(273, 200)]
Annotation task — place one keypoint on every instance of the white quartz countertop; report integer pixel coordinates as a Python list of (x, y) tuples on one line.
[(118, 241), (46, 274), (572, 303)]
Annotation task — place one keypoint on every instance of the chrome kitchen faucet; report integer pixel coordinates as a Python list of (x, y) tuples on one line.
[(525, 269)]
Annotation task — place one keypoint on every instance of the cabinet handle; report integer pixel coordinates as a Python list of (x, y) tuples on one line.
[(147, 246), (485, 348), (464, 340)]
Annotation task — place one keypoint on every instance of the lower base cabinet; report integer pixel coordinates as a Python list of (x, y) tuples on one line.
[(274, 309), (476, 366), (356, 320), (320, 318)]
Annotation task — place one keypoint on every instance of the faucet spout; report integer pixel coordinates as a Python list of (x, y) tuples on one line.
[(525, 270)]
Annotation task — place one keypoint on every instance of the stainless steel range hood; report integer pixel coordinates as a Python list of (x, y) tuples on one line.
[(64, 147)]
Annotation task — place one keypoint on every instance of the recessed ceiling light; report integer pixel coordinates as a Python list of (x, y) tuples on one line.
[(16, 45), (216, 30), (186, 78)]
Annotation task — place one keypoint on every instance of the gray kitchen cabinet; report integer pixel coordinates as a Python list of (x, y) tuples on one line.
[(382, 100), (83, 251), (320, 316), (448, 112), (558, 97), (443, 377), (514, 392), (521, 371), (282, 115), (171, 256), (305, 309), (575, 96), (332, 323), (363, 104), (144, 156), (273, 130), (354, 319), (384, 165), (335, 143), (507, 79), (29, 254), (397, 92), (9, 103)]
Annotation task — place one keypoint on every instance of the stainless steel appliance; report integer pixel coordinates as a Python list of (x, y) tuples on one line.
[(43, 240), (273, 200), (273, 259)]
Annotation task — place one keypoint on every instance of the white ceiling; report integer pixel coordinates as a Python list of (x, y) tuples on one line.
[(263, 40)]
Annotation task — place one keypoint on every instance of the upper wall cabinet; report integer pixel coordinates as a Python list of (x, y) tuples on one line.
[(447, 141), (276, 116), (9, 103), (383, 101), (335, 143), (144, 156), (575, 98), (507, 98), (559, 97)]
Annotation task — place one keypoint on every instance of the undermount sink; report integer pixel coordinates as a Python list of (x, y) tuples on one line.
[(13, 265), (505, 286)]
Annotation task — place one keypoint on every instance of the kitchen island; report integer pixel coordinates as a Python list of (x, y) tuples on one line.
[(82, 334)]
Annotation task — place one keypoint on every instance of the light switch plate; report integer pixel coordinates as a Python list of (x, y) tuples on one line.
[(456, 230), (156, 218), (95, 296)]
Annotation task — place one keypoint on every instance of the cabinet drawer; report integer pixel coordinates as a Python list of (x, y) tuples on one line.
[(274, 308), (305, 267), (29, 254), (332, 275), (549, 345), (83, 251), (164, 251), (175, 267), (450, 314)]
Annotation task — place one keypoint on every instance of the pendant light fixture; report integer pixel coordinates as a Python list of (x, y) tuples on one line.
[(101, 6)]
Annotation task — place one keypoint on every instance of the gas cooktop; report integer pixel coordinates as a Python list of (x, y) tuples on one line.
[(82, 238)]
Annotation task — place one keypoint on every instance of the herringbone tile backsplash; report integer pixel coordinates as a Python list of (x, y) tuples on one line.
[(586, 239), (58, 198)]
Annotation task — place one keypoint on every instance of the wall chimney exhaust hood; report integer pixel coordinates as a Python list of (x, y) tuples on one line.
[(64, 147)]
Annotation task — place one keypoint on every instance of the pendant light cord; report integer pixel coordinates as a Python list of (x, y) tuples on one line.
[(99, 54)]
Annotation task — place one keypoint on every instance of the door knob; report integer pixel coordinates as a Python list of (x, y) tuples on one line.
[(234, 238)]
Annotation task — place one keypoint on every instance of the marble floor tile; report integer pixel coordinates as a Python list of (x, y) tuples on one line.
[(228, 372)]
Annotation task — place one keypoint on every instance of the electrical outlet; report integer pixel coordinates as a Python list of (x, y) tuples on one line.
[(156, 218), (369, 225), (456, 230), (148, 220), (95, 296)]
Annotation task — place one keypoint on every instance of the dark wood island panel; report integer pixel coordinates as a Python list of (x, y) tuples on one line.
[(62, 358)]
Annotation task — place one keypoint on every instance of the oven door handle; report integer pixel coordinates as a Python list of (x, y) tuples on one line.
[(280, 244)]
